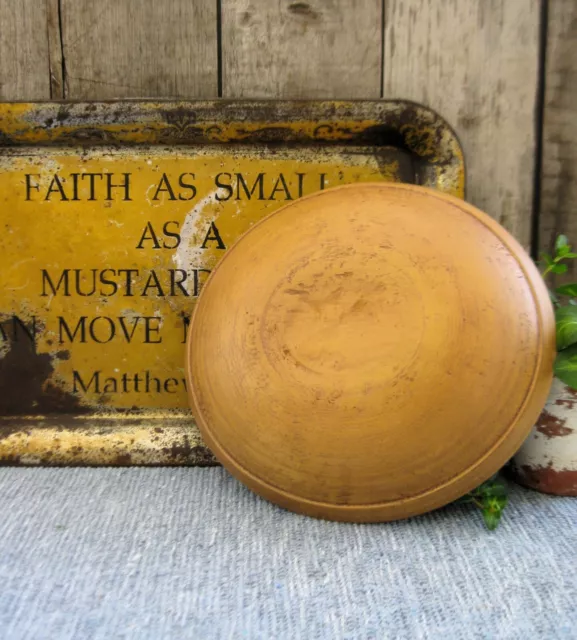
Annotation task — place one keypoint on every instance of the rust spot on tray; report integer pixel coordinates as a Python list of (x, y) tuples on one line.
[(94, 439), (552, 426), (25, 378), (123, 460)]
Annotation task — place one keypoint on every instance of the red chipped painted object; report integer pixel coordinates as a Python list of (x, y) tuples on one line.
[(547, 461)]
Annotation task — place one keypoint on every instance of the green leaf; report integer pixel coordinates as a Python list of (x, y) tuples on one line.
[(565, 366), (495, 492), (491, 498), (491, 518), (570, 254), (497, 502), (560, 243), (547, 259), (563, 251), (559, 268), (492, 507), (566, 324), (567, 290)]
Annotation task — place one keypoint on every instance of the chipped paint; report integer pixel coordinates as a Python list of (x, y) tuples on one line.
[(547, 461), (58, 384)]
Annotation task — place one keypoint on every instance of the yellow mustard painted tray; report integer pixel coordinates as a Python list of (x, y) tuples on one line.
[(114, 214), (370, 352)]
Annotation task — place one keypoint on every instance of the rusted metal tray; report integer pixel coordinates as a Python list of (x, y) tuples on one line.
[(114, 214)]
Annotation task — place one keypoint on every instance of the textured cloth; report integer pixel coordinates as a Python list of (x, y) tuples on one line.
[(190, 553)]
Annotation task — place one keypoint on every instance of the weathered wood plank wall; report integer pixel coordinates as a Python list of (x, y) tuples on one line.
[(137, 48), (24, 55), (475, 61), (559, 175), (320, 49)]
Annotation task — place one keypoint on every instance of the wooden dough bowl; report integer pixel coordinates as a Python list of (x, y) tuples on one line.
[(370, 352)]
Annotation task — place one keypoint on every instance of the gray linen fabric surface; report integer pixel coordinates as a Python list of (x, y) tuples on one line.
[(190, 553)]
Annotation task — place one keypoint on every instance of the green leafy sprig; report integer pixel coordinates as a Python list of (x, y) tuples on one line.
[(564, 299), (491, 499)]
